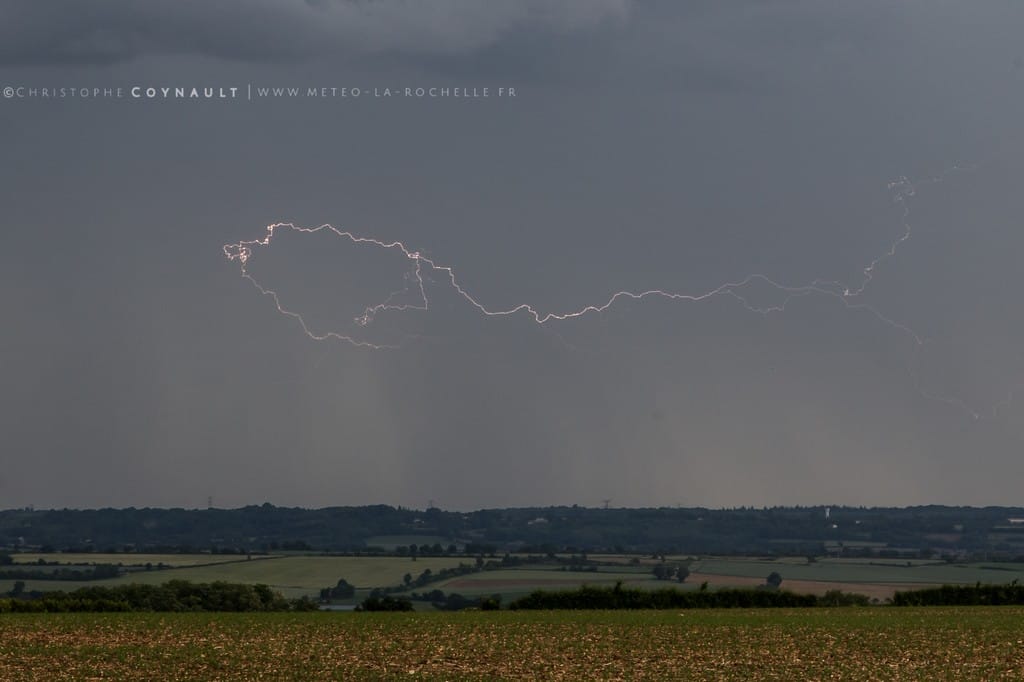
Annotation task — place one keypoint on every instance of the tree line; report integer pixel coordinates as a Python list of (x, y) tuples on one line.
[(619, 597), (438, 599), (592, 597), (174, 595), (963, 595), (990, 532)]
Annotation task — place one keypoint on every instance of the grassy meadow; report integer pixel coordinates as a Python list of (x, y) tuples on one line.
[(878, 579), (865, 570), (295, 575), (134, 559), (977, 643)]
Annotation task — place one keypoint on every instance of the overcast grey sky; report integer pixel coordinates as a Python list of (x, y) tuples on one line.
[(650, 144)]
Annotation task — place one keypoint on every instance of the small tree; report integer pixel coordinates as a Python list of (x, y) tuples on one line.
[(773, 580), (343, 590), (682, 574), (385, 603)]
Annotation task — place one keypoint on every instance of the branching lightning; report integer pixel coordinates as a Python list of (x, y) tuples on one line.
[(423, 269)]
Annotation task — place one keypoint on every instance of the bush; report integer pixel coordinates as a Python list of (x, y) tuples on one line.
[(343, 590), (840, 598), (385, 603)]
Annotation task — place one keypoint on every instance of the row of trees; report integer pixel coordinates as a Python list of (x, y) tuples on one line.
[(619, 597), (385, 603), (437, 549), (175, 595), (454, 601), (962, 595), (438, 599)]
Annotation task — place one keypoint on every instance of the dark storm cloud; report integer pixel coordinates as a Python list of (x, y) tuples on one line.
[(654, 144), (74, 32)]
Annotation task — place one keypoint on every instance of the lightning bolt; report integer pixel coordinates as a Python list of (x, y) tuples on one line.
[(421, 267)]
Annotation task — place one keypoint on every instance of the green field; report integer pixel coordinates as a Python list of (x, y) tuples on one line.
[(298, 575), (877, 578), (885, 643), (865, 571), (130, 559), (293, 576)]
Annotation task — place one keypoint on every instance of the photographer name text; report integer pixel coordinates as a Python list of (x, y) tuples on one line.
[(251, 92)]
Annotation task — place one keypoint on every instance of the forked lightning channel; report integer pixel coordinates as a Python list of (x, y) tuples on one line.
[(420, 267)]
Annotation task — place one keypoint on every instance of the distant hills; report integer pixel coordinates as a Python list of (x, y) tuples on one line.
[(987, 533)]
